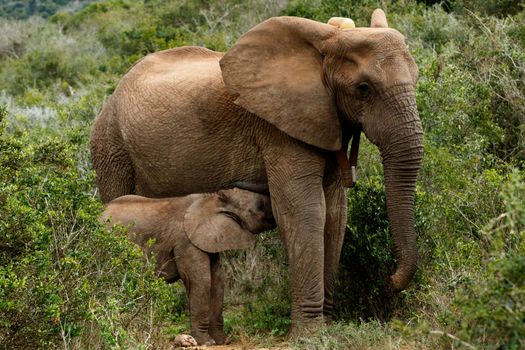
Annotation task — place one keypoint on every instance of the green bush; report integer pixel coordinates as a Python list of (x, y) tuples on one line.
[(51, 58), (24, 9), (63, 278), (470, 93), (367, 256), (360, 11), (489, 307), (500, 8), (66, 282), (16, 34)]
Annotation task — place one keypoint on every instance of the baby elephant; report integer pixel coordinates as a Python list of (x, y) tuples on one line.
[(189, 232)]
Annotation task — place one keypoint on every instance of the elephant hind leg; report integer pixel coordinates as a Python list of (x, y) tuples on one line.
[(115, 175)]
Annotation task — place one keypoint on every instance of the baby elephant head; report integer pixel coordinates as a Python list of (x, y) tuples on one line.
[(227, 220)]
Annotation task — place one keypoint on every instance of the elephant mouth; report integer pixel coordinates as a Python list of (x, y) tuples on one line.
[(266, 224), (271, 223)]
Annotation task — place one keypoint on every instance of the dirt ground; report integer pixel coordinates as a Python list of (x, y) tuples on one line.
[(235, 346)]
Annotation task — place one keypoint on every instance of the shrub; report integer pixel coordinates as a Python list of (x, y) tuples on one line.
[(24, 9), (51, 58), (16, 34), (63, 278), (360, 11), (500, 8), (65, 281), (489, 308), (367, 256)]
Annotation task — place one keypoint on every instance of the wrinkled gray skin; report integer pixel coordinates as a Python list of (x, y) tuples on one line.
[(273, 110), (189, 232)]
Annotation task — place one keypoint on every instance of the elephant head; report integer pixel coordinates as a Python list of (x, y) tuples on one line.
[(319, 83), (227, 220)]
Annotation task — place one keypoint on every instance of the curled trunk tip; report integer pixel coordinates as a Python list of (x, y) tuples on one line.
[(400, 280)]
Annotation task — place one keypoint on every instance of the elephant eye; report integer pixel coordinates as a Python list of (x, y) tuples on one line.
[(363, 90), (232, 216)]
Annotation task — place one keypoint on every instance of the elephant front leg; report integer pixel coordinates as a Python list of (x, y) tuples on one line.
[(298, 203), (217, 299), (333, 239), (194, 269)]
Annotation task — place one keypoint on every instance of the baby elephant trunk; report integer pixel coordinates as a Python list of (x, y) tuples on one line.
[(269, 213), (265, 206)]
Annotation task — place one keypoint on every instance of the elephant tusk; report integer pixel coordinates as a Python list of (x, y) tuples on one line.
[(348, 165), (342, 23), (347, 24), (346, 172), (354, 151)]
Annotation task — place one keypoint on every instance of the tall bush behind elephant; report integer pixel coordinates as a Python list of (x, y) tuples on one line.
[(273, 109)]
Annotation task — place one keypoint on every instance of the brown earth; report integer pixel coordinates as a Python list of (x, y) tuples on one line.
[(235, 346)]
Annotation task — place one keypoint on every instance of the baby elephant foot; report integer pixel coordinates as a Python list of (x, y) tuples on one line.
[(219, 336)]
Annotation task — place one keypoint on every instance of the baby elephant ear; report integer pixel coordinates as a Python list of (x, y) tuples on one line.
[(213, 231)]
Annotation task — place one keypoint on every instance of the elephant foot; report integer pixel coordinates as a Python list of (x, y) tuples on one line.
[(203, 339), (306, 328), (219, 336)]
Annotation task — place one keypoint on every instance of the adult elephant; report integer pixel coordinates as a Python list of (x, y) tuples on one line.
[(273, 110)]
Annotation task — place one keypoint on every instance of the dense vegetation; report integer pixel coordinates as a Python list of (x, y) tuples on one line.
[(65, 282), (22, 9)]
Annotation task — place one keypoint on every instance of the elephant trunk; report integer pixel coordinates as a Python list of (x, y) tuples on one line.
[(402, 153)]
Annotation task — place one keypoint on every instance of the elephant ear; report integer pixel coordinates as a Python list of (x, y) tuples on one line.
[(213, 230), (276, 71)]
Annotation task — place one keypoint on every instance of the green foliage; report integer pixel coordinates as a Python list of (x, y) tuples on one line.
[(367, 256), (360, 11), (489, 308), (22, 9), (65, 281), (500, 8), (63, 277), (478, 111), (51, 59)]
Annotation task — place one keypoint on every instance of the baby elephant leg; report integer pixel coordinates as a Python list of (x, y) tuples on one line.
[(194, 270), (217, 299)]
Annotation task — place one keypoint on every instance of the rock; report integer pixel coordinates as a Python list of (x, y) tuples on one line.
[(184, 341)]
